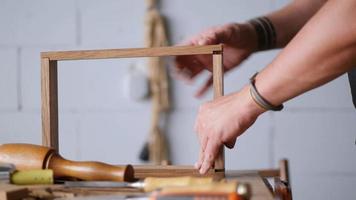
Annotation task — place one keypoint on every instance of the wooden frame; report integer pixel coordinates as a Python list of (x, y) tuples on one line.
[(49, 81)]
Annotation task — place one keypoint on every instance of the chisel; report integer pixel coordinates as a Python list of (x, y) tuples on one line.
[(148, 185)]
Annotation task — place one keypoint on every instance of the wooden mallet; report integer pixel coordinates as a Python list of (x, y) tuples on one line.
[(29, 156)]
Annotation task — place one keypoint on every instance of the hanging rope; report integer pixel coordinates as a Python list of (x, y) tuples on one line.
[(155, 36)]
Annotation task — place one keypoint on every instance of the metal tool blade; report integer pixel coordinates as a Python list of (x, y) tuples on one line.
[(103, 184)]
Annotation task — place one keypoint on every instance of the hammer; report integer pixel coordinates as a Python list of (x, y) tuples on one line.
[(29, 156)]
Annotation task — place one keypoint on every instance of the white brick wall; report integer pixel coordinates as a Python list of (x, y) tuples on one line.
[(321, 148), (9, 79), (316, 131), (45, 22)]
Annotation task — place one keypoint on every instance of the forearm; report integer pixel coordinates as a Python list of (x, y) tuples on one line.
[(323, 50), (291, 18)]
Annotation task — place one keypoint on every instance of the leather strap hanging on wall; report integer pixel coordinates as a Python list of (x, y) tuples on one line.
[(155, 35)]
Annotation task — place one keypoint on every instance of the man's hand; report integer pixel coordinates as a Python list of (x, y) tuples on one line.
[(239, 42), (221, 121)]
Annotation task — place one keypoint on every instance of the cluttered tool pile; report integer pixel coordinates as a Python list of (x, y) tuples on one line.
[(37, 172)]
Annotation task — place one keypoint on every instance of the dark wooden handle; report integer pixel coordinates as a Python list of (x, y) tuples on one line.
[(89, 171)]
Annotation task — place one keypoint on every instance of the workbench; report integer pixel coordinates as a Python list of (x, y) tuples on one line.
[(257, 180), (260, 189)]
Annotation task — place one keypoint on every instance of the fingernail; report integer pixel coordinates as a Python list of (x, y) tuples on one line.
[(201, 42)]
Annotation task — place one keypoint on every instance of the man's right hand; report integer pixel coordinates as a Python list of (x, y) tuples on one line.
[(239, 40)]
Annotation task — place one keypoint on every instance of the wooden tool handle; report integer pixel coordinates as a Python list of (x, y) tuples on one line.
[(89, 171)]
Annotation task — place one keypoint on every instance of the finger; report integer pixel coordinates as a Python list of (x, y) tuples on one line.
[(203, 143), (188, 66), (198, 127), (210, 153), (197, 124), (205, 87)]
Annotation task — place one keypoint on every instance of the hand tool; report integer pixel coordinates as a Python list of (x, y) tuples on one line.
[(5, 172), (29, 156), (9, 174), (148, 185)]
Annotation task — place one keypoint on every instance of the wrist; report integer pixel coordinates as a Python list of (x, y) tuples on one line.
[(249, 107), (248, 37), (265, 31), (249, 32)]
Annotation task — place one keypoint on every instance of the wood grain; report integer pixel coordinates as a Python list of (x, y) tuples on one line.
[(25, 156), (259, 189), (143, 171), (218, 85), (49, 97), (29, 156), (266, 173), (284, 170), (131, 53), (10, 192)]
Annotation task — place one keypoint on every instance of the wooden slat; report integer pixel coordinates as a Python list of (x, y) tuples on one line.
[(143, 171), (49, 95), (266, 173), (218, 85), (10, 192), (284, 170), (130, 53)]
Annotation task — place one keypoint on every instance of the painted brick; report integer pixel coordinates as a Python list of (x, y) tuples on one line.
[(27, 128), (202, 14), (95, 85), (98, 130), (20, 128), (320, 147), (113, 22), (83, 85), (31, 77), (252, 149), (8, 79), (314, 142), (115, 137), (324, 187), (37, 23), (335, 94), (69, 137), (183, 142)]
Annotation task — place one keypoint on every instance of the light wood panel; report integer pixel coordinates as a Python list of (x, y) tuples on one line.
[(284, 170), (131, 53), (49, 95), (143, 171), (218, 85)]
